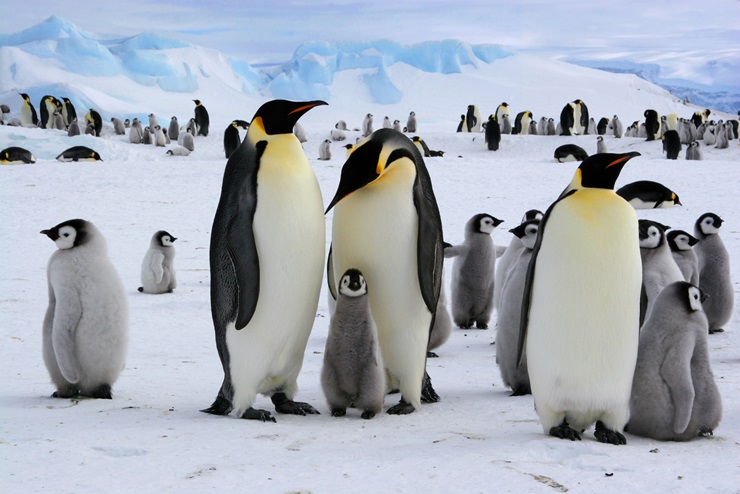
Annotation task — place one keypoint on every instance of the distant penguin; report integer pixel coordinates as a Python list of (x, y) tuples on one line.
[(493, 133), (47, 107), (300, 132), (341, 125), (472, 119), (521, 123), (15, 155), (79, 153), (411, 122), (671, 144), (570, 152), (202, 120), (714, 271), (68, 111), (602, 126), (28, 112), (136, 132), (587, 224), (173, 130), (352, 374), (157, 269), (473, 272), (551, 131), (387, 122), (74, 128), (397, 125), (508, 323), (532, 128), (127, 123), (93, 117), (574, 119), (338, 135), (681, 244), (118, 127), (617, 127), (232, 139), (501, 111), (90, 129), (85, 330), (721, 141), (153, 121), (192, 127), (422, 146), (461, 125), (58, 121), (674, 395), (188, 142), (671, 122), (542, 126), (694, 151), (178, 151), (659, 269), (159, 138), (146, 136), (652, 125), (367, 125), (646, 194), (325, 150), (600, 145)]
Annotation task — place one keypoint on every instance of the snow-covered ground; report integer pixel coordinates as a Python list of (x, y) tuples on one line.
[(152, 438)]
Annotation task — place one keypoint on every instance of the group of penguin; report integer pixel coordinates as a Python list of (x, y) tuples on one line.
[(384, 272)]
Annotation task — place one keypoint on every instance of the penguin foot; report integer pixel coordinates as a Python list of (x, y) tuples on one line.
[(401, 408), (563, 431), (604, 435), (103, 392), (221, 406), (481, 325), (521, 390), (338, 412), (705, 432), (141, 289), (367, 414), (428, 395), (65, 393), (285, 405), (255, 414), (716, 330), (432, 355)]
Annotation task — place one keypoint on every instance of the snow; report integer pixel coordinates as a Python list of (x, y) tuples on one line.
[(152, 438)]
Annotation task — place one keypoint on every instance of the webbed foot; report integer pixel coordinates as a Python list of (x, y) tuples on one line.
[(221, 406), (284, 405), (428, 395), (255, 414), (481, 325), (338, 412), (604, 435), (65, 393), (432, 355), (564, 431), (103, 391), (716, 330), (368, 414), (705, 432), (401, 408), (521, 390)]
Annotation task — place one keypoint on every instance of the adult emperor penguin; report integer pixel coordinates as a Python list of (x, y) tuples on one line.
[(411, 122), (674, 394), (580, 315), (93, 117), (266, 258), (386, 224), (352, 374), (521, 123), (157, 269), (473, 273), (602, 126), (574, 118), (508, 325), (501, 111), (659, 269), (15, 155), (28, 112), (493, 133), (646, 194), (202, 120), (85, 331), (682, 249), (68, 111), (47, 107), (232, 139), (461, 125), (671, 144), (472, 119), (79, 153), (714, 271), (569, 152), (652, 125)]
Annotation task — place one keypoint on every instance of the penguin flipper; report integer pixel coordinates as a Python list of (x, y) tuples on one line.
[(155, 264), (676, 373), (330, 281), (67, 314), (527, 295), (429, 243)]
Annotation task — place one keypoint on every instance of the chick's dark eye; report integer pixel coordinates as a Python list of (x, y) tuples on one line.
[(66, 234)]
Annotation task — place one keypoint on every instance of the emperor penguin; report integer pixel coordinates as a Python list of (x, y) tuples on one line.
[(493, 133), (501, 111), (617, 127), (349, 147), (721, 141), (387, 122), (514, 376), (551, 130), (85, 330), (580, 315), (68, 111), (646, 194), (192, 127), (232, 139), (542, 126), (159, 138), (202, 120), (532, 128), (188, 141), (74, 128), (146, 136), (178, 151), (600, 145), (714, 271), (411, 122), (652, 125), (93, 117), (59, 121), (694, 152), (153, 121), (352, 374), (15, 155), (28, 112), (682, 249), (300, 132), (397, 125), (118, 127), (136, 132), (506, 124), (442, 327), (574, 119), (386, 223), (173, 130), (461, 125), (602, 126), (422, 146), (47, 107), (341, 125), (472, 119), (367, 125), (509, 256), (671, 144), (659, 269), (473, 272), (569, 152), (325, 150), (157, 268), (79, 153), (521, 123), (266, 259), (674, 394)]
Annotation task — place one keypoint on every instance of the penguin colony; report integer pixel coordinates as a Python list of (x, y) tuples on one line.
[(385, 175)]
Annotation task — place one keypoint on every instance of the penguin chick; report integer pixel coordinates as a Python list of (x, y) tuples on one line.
[(118, 126), (658, 267), (178, 151), (85, 330), (352, 374), (473, 273), (410, 123), (442, 327), (674, 394), (681, 244), (325, 150), (157, 269), (601, 145), (173, 131), (367, 125), (714, 271)]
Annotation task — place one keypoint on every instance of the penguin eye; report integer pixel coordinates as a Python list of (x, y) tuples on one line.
[(65, 234)]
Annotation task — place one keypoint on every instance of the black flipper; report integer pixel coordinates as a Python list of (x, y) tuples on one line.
[(330, 282)]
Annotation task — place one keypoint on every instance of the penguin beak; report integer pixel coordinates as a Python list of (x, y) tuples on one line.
[(172, 239), (51, 234)]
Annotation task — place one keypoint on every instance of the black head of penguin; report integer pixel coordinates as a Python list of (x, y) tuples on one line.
[(280, 116), (601, 171), (79, 225)]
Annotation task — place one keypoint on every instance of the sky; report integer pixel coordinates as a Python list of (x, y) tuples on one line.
[(641, 31)]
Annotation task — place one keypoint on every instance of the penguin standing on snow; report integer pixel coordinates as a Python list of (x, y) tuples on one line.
[(652, 125), (473, 273), (674, 395), (461, 125), (574, 300), (352, 374), (266, 259), (173, 131), (325, 150), (682, 249), (118, 127), (232, 140), (93, 117), (442, 327), (502, 110), (157, 269), (574, 119), (600, 145), (493, 133), (367, 125), (671, 144), (202, 120), (714, 271), (659, 269), (68, 111), (386, 224), (85, 330), (28, 112), (411, 122), (47, 107), (472, 119), (521, 123)]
